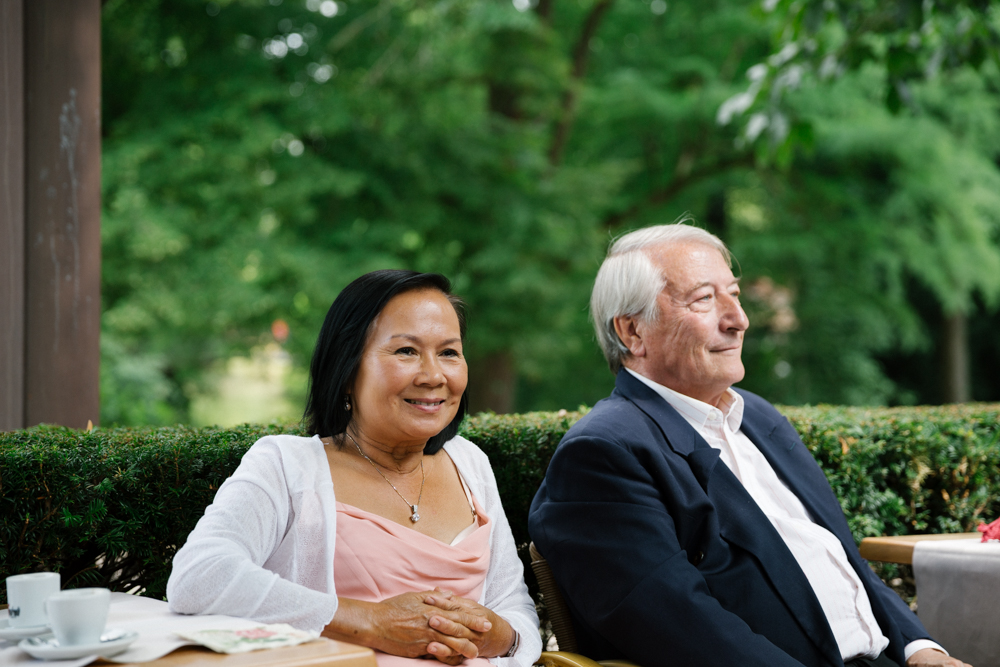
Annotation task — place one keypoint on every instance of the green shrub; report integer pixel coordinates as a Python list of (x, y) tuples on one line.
[(110, 507), (900, 471)]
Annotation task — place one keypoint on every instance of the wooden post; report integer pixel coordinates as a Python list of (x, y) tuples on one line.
[(11, 214), (51, 231), (955, 353)]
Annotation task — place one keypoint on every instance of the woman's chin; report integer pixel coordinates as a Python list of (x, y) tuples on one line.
[(425, 430)]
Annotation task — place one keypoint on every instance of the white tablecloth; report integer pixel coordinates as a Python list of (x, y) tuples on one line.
[(155, 624), (958, 597)]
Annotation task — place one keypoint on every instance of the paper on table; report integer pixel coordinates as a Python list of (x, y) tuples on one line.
[(156, 624), (275, 635)]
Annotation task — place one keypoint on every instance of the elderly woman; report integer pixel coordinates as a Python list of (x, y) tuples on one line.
[(385, 527)]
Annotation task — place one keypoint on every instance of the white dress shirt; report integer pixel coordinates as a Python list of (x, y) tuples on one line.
[(818, 551)]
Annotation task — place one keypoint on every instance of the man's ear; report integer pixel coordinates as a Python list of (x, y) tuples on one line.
[(627, 328)]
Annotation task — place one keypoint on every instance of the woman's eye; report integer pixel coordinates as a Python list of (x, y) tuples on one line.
[(406, 350), (451, 353)]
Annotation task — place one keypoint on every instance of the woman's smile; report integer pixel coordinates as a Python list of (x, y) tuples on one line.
[(424, 403)]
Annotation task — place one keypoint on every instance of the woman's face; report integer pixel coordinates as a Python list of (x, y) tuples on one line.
[(412, 373)]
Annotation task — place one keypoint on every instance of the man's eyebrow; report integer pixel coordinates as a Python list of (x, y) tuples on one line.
[(697, 287), (707, 283), (415, 339)]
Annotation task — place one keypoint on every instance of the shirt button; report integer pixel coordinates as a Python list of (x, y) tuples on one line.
[(715, 415)]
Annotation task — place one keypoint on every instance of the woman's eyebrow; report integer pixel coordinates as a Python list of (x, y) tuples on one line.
[(416, 339)]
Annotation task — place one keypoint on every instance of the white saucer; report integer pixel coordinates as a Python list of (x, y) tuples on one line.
[(112, 642), (7, 632)]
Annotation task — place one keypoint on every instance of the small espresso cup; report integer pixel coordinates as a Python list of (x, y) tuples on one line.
[(26, 594), (78, 616)]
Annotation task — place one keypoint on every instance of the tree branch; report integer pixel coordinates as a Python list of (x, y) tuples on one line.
[(354, 28), (544, 10), (580, 57), (676, 186)]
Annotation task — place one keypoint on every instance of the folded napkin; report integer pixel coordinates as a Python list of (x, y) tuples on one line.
[(275, 635), (990, 532)]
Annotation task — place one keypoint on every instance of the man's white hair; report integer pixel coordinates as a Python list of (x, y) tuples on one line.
[(628, 283)]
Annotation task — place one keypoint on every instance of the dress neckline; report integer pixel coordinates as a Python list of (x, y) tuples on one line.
[(477, 513), (398, 528)]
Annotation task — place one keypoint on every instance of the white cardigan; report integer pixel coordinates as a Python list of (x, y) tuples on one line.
[(264, 548)]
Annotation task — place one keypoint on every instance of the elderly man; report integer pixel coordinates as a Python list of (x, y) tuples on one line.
[(684, 520)]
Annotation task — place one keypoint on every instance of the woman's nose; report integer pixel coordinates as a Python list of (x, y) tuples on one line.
[(430, 371)]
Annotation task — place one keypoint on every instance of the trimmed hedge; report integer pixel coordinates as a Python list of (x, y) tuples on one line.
[(110, 507)]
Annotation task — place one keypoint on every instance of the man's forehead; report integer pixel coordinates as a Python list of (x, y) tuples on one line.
[(689, 265)]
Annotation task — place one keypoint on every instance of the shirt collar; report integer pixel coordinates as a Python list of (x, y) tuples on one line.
[(698, 413)]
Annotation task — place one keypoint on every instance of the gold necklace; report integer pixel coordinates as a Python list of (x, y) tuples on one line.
[(415, 516)]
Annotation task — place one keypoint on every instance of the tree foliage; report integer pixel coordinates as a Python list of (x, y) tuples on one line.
[(261, 154)]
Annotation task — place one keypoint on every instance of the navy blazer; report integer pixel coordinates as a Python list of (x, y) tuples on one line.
[(664, 558)]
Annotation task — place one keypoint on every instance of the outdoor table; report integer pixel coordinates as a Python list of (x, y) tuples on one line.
[(958, 595), (958, 589), (158, 646), (899, 548)]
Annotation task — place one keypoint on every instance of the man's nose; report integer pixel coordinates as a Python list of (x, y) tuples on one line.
[(734, 318)]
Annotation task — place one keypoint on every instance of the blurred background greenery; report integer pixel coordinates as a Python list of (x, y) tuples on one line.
[(260, 154)]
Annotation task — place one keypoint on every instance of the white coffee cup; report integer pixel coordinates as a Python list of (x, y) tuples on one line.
[(77, 616), (26, 594)]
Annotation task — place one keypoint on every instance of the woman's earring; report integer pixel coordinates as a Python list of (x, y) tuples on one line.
[(347, 403)]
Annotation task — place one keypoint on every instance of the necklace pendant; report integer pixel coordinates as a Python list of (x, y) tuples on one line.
[(415, 517)]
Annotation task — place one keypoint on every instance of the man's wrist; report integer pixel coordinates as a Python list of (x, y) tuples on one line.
[(919, 645)]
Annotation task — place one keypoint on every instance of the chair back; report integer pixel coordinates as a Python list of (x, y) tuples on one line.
[(559, 616)]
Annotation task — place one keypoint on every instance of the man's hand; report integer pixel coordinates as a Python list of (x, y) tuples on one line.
[(930, 657)]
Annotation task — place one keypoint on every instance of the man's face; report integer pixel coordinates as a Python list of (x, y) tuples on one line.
[(694, 347)]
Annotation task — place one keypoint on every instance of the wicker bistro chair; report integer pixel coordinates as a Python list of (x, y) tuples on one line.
[(562, 625)]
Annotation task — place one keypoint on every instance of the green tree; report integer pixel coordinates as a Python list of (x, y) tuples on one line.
[(881, 202), (259, 155)]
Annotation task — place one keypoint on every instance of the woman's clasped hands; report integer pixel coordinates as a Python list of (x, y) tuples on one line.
[(433, 623), (491, 635)]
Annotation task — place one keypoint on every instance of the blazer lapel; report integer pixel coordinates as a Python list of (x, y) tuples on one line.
[(794, 465), (677, 433), (741, 521), (680, 436)]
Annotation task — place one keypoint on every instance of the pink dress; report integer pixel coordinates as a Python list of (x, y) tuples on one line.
[(376, 558)]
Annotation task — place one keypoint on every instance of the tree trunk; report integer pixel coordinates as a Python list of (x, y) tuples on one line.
[(955, 357), (491, 383)]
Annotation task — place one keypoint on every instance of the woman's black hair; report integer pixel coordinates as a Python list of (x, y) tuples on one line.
[(342, 341)]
